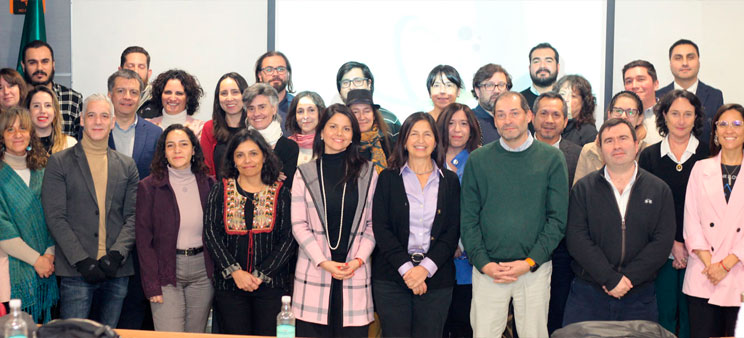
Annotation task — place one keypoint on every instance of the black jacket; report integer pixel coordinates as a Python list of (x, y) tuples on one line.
[(390, 222), (604, 249)]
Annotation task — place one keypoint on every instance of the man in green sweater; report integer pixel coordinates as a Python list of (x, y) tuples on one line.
[(513, 214)]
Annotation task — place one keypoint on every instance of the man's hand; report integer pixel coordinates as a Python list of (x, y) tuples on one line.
[(517, 268), (110, 263), (679, 252), (620, 289), (415, 277), (499, 273)]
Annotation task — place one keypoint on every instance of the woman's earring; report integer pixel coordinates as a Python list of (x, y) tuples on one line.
[(28, 148), (715, 140)]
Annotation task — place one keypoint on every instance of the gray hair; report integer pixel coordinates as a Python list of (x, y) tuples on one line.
[(257, 89), (125, 74), (551, 95), (95, 98)]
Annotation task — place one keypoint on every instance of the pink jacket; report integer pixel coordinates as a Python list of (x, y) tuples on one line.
[(312, 286), (713, 225)]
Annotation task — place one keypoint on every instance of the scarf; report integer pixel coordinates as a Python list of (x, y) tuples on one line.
[(372, 140), (305, 141), (264, 212), (272, 133), (24, 218)]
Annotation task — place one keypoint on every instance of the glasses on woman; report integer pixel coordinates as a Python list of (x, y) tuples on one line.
[(357, 81), (618, 112), (736, 124)]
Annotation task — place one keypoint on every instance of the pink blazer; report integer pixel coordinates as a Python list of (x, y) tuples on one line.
[(312, 286), (712, 225)]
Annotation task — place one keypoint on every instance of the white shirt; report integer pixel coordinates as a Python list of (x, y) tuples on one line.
[(622, 199), (692, 89), (692, 145), (649, 121), (522, 147)]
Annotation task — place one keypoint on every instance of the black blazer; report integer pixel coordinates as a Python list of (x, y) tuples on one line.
[(390, 223), (571, 152), (711, 99)]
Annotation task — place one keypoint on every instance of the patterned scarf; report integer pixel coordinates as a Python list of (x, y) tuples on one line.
[(372, 139), (305, 141), (24, 217)]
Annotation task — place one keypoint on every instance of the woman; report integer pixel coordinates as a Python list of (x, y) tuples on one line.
[(376, 140), (460, 134), (713, 232), (302, 120), (679, 119), (26, 248), (13, 89), (332, 221), (261, 102), (175, 97), (580, 128), (174, 268), (416, 221), (247, 232), (444, 84), (47, 119), (228, 117)]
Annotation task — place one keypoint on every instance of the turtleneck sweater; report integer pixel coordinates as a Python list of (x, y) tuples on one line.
[(183, 182), (334, 170), (96, 155), (18, 163), (169, 119)]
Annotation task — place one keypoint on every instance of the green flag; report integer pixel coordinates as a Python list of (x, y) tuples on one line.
[(33, 27)]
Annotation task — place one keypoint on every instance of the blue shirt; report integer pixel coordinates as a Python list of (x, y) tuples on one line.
[(459, 162)]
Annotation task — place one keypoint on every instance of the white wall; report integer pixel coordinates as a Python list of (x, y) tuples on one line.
[(401, 41), (205, 38), (646, 29)]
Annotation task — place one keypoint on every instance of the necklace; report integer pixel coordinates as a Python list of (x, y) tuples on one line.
[(325, 211), (728, 173)]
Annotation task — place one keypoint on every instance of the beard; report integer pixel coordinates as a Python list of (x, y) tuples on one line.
[(488, 104), (30, 80), (279, 87), (546, 81)]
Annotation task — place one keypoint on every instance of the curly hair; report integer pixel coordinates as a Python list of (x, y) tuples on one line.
[(271, 165), (665, 103), (159, 165), (474, 141), (190, 84), (291, 123), (36, 158), (221, 133), (588, 100)]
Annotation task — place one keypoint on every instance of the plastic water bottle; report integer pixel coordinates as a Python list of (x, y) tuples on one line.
[(285, 320), (16, 326), (739, 332)]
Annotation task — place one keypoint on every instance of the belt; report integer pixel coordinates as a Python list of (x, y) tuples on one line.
[(190, 252), (417, 257)]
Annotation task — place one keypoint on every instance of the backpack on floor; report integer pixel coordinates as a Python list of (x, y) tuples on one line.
[(75, 328)]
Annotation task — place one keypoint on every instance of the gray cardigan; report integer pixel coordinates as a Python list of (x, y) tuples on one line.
[(71, 210)]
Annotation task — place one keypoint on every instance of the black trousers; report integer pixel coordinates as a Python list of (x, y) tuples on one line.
[(560, 286), (458, 319), (403, 314), (708, 320), (335, 327), (249, 313)]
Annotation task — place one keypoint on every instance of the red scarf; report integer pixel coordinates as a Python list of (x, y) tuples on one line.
[(305, 141)]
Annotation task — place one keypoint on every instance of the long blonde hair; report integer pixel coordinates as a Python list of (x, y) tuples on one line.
[(59, 140)]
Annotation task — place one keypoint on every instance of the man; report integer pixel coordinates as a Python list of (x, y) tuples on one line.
[(273, 68), (38, 70), (356, 75), (132, 136), (89, 194), (639, 76), (684, 61), (544, 67), (551, 117), (137, 59), (508, 239), (626, 105), (488, 82), (620, 231)]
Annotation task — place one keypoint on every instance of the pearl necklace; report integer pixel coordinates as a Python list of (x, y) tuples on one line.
[(325, 211)]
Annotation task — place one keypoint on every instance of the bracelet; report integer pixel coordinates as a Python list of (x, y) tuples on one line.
[(361, 262), (724, 267)]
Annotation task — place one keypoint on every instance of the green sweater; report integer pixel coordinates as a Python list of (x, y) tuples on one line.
[(513, 205)]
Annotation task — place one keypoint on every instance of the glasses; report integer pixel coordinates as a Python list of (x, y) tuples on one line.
[(269, 69), (736, 124), (448, 85), (618, 112), (357, 81), (490, 85)]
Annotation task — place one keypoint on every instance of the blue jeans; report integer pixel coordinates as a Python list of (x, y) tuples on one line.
[(76, 297), (589, 302)]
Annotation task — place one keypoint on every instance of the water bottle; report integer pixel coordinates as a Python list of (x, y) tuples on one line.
[(285, 320), (16, 326), (740, 319)]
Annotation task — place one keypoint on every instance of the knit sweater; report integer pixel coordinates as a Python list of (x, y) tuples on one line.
[(513, 204), (95, 153), (183, 182)]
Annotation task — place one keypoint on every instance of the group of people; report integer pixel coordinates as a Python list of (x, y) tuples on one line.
[(124, 208)]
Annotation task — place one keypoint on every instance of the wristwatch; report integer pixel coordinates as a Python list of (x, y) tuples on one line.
[(532, 263)]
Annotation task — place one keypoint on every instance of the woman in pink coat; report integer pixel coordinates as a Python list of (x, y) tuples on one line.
[(714, 218), (332, 223)]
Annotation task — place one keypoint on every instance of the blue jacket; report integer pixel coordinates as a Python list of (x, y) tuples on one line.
[(146, 136)]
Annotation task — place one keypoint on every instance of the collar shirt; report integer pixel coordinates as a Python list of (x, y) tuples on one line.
[(689, 151), (622, 199), (649, 121), (124, 138), (521, 148), (692, 89)]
